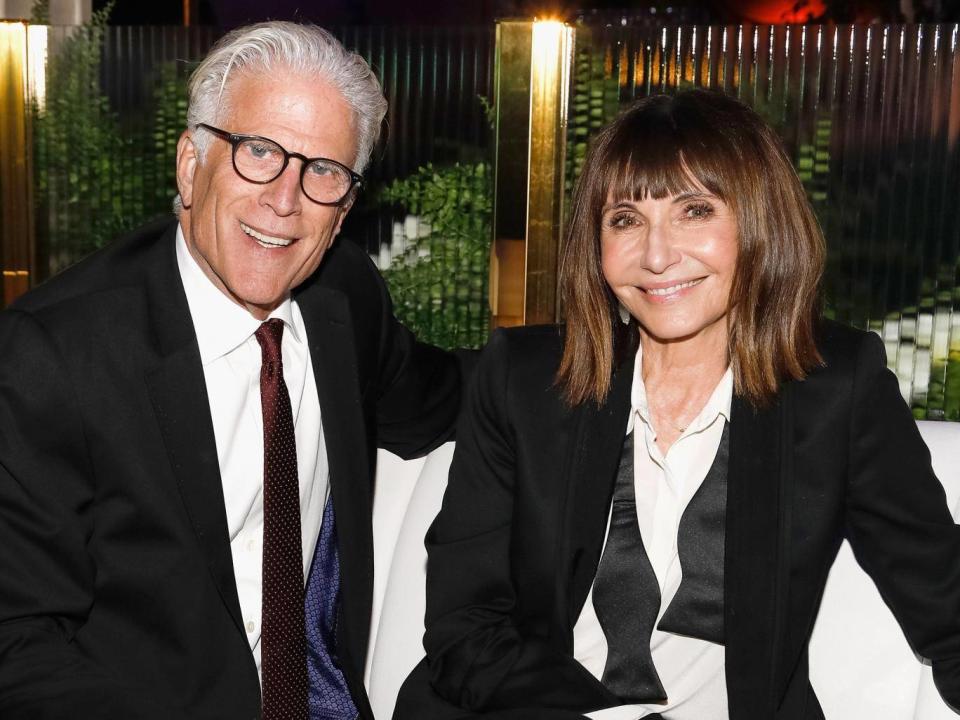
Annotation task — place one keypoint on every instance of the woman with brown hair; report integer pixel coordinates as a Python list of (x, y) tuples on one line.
[(644, 503)]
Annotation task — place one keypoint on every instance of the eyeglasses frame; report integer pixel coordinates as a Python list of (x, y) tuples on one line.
[(235, 139)]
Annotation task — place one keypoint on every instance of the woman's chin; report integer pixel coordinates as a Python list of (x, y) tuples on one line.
[(661, 332)]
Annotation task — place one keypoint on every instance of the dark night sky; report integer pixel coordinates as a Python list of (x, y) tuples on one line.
[(231, 13)]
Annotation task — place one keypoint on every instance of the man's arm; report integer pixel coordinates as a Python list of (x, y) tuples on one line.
[(47, 502), (420, 387)]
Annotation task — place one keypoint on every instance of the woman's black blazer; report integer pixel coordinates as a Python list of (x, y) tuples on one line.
[(515, 548)]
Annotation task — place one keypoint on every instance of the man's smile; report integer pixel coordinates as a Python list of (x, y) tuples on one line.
[(264, 239)]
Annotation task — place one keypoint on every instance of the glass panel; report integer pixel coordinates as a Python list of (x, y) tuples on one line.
[(871, 117), (114, 105)]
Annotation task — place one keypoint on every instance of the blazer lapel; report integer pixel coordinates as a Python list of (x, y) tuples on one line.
[(754, 569), (330, 334), (179, 395), (590, 479)]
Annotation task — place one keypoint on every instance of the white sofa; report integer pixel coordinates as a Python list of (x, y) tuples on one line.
[(860, 664)]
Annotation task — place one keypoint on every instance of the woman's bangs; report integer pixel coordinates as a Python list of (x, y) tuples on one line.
[(652, 160)]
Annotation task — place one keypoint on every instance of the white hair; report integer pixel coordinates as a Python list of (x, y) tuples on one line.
[(306, 50)]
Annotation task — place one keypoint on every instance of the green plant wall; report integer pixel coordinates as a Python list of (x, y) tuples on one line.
[(76, 145), (97, 176), (439, 282)]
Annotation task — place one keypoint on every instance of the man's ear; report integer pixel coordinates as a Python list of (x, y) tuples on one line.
[(187, 162)]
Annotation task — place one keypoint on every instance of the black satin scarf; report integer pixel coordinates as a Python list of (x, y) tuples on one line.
[(626, 594)]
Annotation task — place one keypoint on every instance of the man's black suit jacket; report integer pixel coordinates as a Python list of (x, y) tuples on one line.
[(117, 591), (514, 551)]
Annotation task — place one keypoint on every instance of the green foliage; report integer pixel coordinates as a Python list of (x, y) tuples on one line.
[(439, 283), (40, 12), (95, 176), (813, 164), (594, 103), (76, 140), (168, 118), (951, 395)]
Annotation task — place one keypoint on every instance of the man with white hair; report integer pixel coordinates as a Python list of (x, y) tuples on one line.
[(189, 418)]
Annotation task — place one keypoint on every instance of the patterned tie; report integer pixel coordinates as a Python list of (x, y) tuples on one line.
[(283, 646), (329, 696)]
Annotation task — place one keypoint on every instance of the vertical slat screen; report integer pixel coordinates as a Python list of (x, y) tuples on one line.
[(425, 215), (115, 104), (871, 117), (106, 132)]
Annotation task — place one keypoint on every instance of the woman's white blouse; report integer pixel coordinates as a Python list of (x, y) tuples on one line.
[(692, 671)]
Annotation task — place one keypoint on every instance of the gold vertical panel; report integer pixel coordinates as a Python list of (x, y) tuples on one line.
[(16, 221), (552, 52), (512, 148)]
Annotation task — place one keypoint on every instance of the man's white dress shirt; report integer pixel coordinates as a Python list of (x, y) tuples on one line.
[(231, 358), (692, 671)]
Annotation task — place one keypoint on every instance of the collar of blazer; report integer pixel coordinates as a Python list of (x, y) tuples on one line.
[(178, 392), (755, 571)]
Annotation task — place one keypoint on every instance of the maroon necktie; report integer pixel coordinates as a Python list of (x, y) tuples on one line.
[(282, 639)]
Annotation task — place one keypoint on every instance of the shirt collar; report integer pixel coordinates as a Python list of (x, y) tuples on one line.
[(220, 324), (718, 404)]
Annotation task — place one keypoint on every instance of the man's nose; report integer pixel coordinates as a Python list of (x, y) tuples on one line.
[(283, 194)]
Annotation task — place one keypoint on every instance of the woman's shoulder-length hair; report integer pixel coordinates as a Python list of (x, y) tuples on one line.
[(666, 145)]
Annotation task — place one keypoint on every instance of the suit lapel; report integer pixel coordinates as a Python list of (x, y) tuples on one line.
[(178, 392), (754, 568), (330, 334), (590, 479)]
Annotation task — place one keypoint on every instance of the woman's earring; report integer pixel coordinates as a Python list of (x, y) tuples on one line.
[(624, 313)]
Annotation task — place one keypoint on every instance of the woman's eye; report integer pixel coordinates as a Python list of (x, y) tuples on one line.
[(621, 220), (698, 211)]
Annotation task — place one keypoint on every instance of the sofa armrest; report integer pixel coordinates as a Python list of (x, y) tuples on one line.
[(861, 666), (401, 518)]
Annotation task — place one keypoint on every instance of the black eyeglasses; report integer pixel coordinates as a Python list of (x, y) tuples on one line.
[(261, 160)]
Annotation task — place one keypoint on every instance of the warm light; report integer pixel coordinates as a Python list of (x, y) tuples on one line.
[(556, 23), (551, 58), (12, 34), (14, 194), (37, 64), (547, 39), (778, 12), (13, 45), (550, 61)]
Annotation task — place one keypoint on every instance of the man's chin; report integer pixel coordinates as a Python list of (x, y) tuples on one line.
[(258, 302)]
